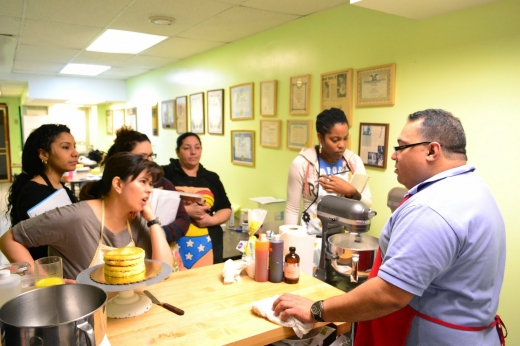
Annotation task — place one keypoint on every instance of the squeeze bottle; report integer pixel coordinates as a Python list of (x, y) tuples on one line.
[(276, 259), (261, 259)]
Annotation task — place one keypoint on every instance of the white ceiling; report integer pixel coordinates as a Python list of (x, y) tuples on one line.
[(41, 36)]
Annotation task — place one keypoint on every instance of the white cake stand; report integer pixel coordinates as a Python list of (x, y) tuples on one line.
[(127, 303)]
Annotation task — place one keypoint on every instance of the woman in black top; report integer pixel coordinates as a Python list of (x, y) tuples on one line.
[(189, 175), (48, 153)]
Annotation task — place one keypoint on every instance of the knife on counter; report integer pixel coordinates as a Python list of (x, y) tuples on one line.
[(164, 305)]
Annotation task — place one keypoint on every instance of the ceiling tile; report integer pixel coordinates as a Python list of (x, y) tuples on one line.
[(9, 25), (123, 72), (180, 48), (187, 13), (11, 8), (45, 53), (100, 58), (237, 23), (37, 32), (97, 13), (298, 7), (147, 62), (23, 66)]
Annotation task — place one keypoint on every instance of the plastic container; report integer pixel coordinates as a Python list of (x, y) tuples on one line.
[(10, 286), (262, 259), (276, 259), (292, 267)]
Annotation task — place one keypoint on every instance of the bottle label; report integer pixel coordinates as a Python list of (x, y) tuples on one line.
[(292, 270)]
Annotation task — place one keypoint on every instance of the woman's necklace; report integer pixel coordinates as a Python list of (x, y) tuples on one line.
[(103, 220)]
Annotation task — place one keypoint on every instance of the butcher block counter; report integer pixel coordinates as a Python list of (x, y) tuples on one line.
[(215, 314)]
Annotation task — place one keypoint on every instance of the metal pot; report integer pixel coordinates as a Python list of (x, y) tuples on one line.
[(342, 246), (65, 315)]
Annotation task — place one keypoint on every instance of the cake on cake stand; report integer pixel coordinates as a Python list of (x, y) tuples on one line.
[(127, 303)]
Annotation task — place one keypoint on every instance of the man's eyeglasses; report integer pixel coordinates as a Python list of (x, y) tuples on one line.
[(401, 147), (147, 156)]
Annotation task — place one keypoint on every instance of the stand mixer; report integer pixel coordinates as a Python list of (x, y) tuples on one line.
[(334, 211)]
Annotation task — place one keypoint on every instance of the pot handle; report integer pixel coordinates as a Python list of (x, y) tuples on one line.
[(86, 329), (330, 254)]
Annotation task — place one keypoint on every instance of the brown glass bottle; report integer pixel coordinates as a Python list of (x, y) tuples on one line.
[(291, 271)]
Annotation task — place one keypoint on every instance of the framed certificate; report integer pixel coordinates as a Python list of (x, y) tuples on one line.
[(181, 114), (242, 101), (376, 86), (168, 114), (299, 134), (155, 120), (373, 144), (110, 122), (300, 94), (197, 112), (215, 111), (270, 133), (243, 147), (336, 92), (131, 118), (268, 94)]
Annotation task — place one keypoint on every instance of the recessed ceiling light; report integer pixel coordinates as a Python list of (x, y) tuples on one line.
[(84, 69), (162, 20), (126, 42)]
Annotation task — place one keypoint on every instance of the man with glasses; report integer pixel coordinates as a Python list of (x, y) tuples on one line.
[(438, 273)]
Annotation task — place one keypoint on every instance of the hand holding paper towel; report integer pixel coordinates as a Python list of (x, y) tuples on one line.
[(297, 236)]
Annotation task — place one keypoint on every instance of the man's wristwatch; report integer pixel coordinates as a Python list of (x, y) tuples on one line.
[(153, 222), (316, 310)]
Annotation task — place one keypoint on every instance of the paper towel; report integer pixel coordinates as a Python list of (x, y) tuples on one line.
[(297, 236)]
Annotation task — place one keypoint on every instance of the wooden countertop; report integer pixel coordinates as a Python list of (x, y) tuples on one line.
[(215, 314)]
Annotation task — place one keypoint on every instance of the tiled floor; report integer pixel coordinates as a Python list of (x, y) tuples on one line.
[(4, 222)]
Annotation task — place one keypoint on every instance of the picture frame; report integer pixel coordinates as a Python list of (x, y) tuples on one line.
[(197, 112), (241, 104), (376, 86), (110, 122), (336, 92), (270, 133), (155, 119), (299, 134), (299, 103), (131, 118), (268, 98), (168, 114), (373, 144), (215, 111), (181, 114), (243, 147)]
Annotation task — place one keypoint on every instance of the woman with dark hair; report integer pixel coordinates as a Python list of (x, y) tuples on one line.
[(48, 153), (323, 170), (189, 175), (82, 232), (128, 140)]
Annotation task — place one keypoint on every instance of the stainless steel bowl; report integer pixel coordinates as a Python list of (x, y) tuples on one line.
[(65, 315)]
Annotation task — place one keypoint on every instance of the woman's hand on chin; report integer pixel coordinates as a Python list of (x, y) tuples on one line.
[(147, 212)]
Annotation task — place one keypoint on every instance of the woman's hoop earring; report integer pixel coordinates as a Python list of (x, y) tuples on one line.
[(320, 148)]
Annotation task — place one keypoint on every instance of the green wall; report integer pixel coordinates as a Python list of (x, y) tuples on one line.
[(466, 62)]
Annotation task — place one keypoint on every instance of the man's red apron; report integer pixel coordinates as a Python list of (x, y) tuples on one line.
[(392, 330)]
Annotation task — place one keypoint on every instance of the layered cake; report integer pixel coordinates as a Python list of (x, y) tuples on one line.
[(126, 264)]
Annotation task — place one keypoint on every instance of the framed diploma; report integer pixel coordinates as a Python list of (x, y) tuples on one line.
[(119, 119), (300, 94), (181, 114), (299, 134), (376, 86), (373, 144), (197, 112), (215, 111), (131, 118), (168, 114), (110, 122), (242, 102), (336, 92), (155, 120), (270, 133), (243, 147), (268, 94)]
